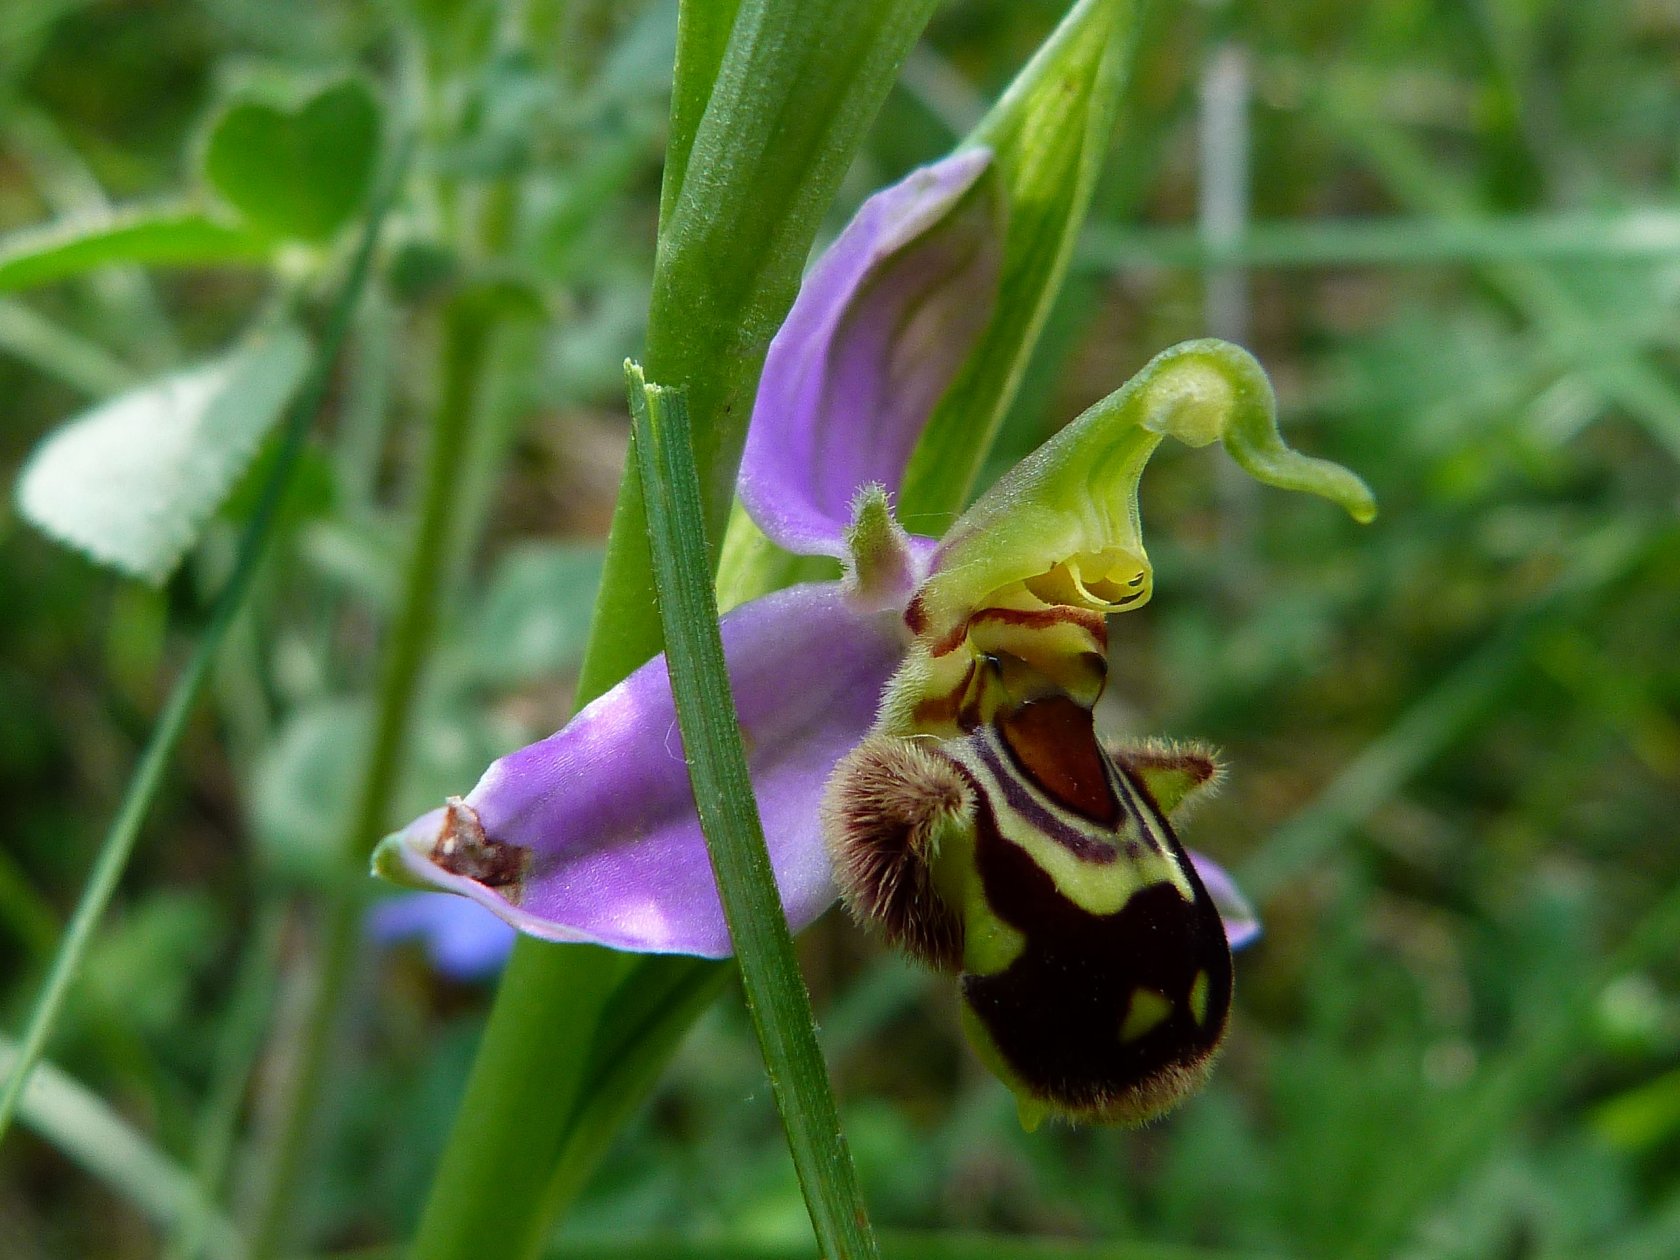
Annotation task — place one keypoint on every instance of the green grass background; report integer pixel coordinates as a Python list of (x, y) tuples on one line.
[(1453, 735)]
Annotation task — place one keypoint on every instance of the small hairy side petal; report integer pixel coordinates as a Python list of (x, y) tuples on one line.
[(884, 815)]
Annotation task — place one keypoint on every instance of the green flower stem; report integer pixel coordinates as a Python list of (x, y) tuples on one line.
[(776, 997), (496, 1175), (148, 774), (771, 119), (466, 339)]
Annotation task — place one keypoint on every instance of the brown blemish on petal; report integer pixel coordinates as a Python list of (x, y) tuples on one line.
[(462, 848)]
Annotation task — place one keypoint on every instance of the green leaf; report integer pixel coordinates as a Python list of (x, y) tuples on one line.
[(1049, 132), (162, 236), (133, 481), (533, 620), (299, 171), (717, 768)]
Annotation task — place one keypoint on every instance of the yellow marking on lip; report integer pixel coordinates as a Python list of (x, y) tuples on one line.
[(1199, 997), (1146, 1012)]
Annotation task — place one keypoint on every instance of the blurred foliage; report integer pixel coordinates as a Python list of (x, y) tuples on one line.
[(1453, 736)]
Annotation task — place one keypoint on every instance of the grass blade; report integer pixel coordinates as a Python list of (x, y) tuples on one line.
[(1423, 240), (79, 1124), (152, 237), (775, 991), (1436, 719)]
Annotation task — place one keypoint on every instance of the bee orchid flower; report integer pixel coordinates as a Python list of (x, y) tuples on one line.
[(919, 731)]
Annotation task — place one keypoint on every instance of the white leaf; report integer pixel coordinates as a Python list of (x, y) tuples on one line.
[(133, 481)]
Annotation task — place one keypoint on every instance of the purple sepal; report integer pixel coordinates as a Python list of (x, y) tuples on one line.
[(463, 940), (604, 808), (1242, 922), (879, 329)]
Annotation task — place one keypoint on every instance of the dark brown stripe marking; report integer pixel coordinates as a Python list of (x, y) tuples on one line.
[(1085, 847), (1093, 623), (945, 710), (1031, 618)]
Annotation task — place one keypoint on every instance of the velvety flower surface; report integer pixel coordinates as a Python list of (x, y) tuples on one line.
[(921, 728)]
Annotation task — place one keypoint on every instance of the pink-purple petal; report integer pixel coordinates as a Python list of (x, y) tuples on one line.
[(605, 809), (1242, 922), (880, 327)]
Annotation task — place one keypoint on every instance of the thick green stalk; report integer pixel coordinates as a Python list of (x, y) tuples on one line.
[(148, 774), (466, 338), (525, 1085), (671, 993)]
